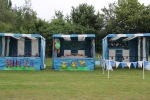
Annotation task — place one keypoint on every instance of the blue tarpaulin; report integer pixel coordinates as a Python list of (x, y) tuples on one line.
[(22, 51), (126, 48), (73, 52)]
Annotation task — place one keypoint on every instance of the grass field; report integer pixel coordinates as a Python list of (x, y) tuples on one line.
[(124, 84)]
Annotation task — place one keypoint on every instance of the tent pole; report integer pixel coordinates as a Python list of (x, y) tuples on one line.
[(143, 72), (108, 74), (103, 67), (99, 60), (103, 70)]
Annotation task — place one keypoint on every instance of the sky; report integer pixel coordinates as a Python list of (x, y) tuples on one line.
[(45, 9)]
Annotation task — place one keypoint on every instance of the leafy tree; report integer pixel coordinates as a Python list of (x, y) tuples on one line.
[(9, 4), (85, 15), (109, 17), (126, 16), (25, 19), (128, 12), (6, 16), (59, 14)]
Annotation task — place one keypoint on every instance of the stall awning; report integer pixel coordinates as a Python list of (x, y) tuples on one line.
[(17, 36), (129, 38), (80, 37), (127, 35)]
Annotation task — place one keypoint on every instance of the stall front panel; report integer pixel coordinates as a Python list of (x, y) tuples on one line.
[(73, 52), (22, 51), (74, 64), (20, 63)]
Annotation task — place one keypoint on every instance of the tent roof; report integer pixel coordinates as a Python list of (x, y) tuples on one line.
[(17, 35), (128, 35), (74, 35)]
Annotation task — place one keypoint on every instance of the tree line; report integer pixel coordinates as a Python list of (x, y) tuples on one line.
[(124, 16)]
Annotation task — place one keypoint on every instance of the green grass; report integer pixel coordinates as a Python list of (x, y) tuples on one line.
[(124, 84)]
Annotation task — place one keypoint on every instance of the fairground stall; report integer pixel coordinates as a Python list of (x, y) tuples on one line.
[(22, 52), (125, 50), (73, 52)]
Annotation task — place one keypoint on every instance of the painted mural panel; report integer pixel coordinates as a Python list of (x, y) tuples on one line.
[(14, 63), (74, 64)]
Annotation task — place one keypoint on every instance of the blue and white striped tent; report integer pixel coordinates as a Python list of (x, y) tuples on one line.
[(22, 51), (76, 52), (126, 49)]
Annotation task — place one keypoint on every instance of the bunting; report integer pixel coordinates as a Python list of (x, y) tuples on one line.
[(112, 63), (129, 64), (123, 64), (145, 63), (107, 63), (147, 67), (134, 64), (109, 67), (140, 64), (117, 64)]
